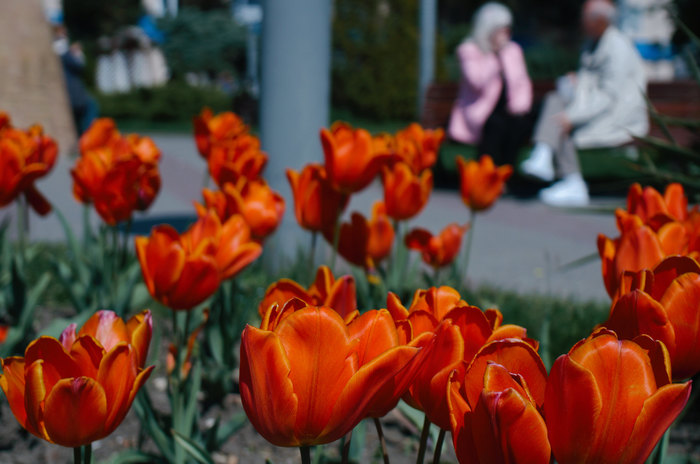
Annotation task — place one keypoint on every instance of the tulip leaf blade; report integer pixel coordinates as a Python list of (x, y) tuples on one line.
[(132, 456), (192, 448)]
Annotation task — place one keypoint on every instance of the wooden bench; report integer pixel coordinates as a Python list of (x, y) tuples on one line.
[(607, 170), (678, 99)]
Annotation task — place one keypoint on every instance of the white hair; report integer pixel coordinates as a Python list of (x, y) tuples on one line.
[(488, 18), (601, 9)]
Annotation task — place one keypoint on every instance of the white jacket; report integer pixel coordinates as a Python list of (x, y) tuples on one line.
[(608, 107)]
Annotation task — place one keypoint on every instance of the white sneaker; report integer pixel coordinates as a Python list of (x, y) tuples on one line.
[(540, 163), (570, 191)]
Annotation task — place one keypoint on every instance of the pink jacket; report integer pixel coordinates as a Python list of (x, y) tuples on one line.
[(480, 88)]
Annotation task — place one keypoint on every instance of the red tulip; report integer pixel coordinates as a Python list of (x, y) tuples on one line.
[(77, 389), (25, 156), (437, 250), (481, 181), (496, 402), (650, 206), (326, 290), (405, 193), (302, 381), (261, 207), (638, 247), (317, 205), (663, 304), (181, 271), (351, 162), (231, 160), (365, 243), (210, 130), (419, 147), (611, 400), (119, 175), (461, 331)]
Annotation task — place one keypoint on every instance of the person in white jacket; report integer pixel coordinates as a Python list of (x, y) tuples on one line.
[(601, 105)]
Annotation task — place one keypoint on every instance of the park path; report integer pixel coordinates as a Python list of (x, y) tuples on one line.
[(518, 245)]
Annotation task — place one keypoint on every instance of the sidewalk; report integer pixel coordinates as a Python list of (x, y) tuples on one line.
[(518, 245)]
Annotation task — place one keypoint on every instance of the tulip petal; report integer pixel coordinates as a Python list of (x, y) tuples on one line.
[(657, 415), (681, 301), (116, 375), (372, 387), (267, 392), (140, 328), (508, 428), (571, 408), (87, 353), (518, 357), (12, 383), (107, 328), (57, 363), (198, 281), (376, 333), (75, 412), (322, 360)]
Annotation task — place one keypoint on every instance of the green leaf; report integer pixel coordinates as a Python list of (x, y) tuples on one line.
[(193, 449), (228, 429), (133, 456), (144, 409), (73, 245)]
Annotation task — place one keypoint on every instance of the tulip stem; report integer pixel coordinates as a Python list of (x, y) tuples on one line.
[(438, 446), (305, 454), (468, 245), (22, 229), (382, 441), (312, 252), (88, 454), (336, 240), (423, 441), (347, 439), (77, 455)]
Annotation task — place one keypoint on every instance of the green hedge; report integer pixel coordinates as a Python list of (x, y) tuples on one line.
[(175, 101), (375, 57)]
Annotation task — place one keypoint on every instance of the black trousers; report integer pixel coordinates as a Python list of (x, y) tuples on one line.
[(504, 134)]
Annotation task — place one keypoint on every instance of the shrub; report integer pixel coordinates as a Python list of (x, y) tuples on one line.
[(173, 102), (375, 57)]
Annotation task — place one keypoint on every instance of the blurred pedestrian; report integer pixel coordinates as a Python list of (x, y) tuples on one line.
[(495, 91), (601, 105), (84, 107)]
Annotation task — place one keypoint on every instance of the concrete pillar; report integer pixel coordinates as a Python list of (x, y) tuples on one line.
[(295, 93), (426, 48)]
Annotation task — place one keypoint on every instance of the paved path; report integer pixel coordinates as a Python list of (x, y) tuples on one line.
[(518, 244)]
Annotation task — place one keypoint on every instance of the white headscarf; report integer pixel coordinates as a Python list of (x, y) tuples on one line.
[(487, 19)]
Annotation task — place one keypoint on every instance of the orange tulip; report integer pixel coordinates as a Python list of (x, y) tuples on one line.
[(261, 207), (119, 175), (405, 193), (101, 133), (650, 205), (481, 181), (25, 156), (652, 228), (461, 331), (638, 247), (317, 205), (663, 304), (77, 389), (611, 400), (230, 160), (351, 162), (326, 290), (210, 130), (305, 379), (365, 243), (494, 404), (419, 147), (437, 250), (181, 271)]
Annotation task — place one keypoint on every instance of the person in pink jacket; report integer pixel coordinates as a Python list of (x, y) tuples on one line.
[(495, 91)]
